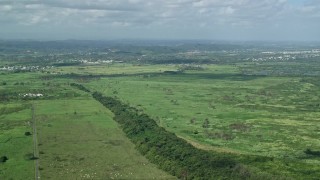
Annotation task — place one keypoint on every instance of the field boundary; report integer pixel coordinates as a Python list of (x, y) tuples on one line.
[(35, 144)]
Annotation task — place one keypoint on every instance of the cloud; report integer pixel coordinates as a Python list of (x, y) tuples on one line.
[(5, 8), (188, 11), (160, 15)]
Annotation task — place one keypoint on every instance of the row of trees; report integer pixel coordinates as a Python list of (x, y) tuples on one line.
[(165, 149), (80, 87)]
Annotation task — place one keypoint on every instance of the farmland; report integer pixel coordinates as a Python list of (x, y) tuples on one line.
[(89, 145), (229, 112), (259, 112), (77, 138)]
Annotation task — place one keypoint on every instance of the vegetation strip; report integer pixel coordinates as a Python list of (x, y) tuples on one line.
[(169, 152)]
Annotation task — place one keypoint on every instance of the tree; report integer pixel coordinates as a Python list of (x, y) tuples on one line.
[(3, 159), (27, 134)]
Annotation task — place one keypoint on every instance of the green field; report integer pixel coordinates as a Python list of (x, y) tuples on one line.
[(217, 108), (274, 112), (255, 115), (14, 122), (77, 138)]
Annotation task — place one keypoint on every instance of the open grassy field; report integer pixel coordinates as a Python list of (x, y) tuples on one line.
[(220, 109), (103, 110), (15, 120), (108, 69), (216, 109), (77, 138)]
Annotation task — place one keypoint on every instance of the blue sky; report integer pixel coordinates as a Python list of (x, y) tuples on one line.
[(266, 20)]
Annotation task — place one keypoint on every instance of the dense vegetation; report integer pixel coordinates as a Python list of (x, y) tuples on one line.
[(80, 87), (172, 153)]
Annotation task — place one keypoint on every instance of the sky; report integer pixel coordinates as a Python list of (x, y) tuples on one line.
[(236, 20)]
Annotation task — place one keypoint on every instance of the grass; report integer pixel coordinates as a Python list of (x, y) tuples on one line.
[(77, 137), (107, 69), (14, 144), (274, 116), (79, 140), (261, 115)]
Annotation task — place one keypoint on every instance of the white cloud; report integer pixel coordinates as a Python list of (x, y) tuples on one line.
[(160, 14), (5, 7), (227, 10)]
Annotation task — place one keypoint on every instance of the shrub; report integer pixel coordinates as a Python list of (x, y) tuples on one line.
[(311, 152), (27, 134), (3, 159)]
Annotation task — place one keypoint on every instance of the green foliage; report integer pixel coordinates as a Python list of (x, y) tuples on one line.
[(80, 87), (167, 150), (3, 159), (67, 64), (27, 133), (257, 104), (311, 152)]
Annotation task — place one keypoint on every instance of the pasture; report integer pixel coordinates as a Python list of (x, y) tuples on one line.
[(85, 110), (219, 109), (15, 121), (77, 138)]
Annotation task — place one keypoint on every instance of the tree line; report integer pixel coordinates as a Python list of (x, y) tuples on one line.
[(169, 152), (80, 87)]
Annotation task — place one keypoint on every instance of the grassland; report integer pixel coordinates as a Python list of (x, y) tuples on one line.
[(108, 69), (220, 109), (77, 138), (14, 122), (273, 116), (240, 109), (217, 108), (82, 141)]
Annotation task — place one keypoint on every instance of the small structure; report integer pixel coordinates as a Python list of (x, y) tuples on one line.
[(33, 95)]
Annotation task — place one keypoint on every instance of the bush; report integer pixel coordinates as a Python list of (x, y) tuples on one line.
[(3, 159), (80, 87), (311, 152), (27, 134), (30, 156)]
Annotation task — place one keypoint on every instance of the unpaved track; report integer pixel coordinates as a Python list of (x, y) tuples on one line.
[(35, 145)]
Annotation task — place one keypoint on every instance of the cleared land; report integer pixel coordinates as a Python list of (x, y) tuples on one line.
[(82, 141), (274, 112), (15, 120), (260, 115), (217, 108), (77, 138)]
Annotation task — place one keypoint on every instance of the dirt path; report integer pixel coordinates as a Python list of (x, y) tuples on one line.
[(208, 147), (35, 145)]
